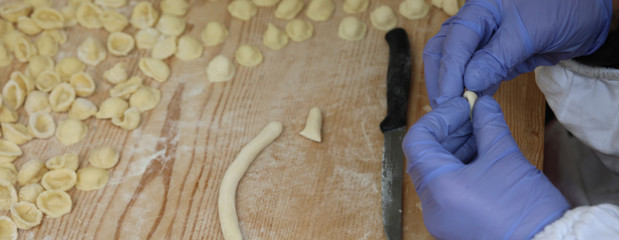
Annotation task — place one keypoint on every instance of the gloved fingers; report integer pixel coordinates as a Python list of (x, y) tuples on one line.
[(432, 54), (467, 152), (461, 143)]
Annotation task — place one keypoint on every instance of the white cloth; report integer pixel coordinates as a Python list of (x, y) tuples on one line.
[(586, 222)]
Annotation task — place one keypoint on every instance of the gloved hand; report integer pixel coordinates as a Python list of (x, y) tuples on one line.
[(498, 195), (489, 41)]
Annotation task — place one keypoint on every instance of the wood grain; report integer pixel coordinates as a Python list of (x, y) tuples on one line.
[(166, 184)]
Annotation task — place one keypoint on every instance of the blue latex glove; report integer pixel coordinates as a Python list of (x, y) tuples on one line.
[(493, 40), (498, 195)]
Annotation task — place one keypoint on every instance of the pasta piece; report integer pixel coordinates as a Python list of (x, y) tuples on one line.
[(189, 48), (5, 27), (8, 174), (23, 80), (313, 125), (352, 29), (71, 131), (5, 56), (125, 89), (111, 3), (414, 9), (61, 98), (82, 109), (48, 18), (31, 172), (59, 35), (170, 25), (12, 12), (113, 21), (116, 74), (91, 178), (164, 48), (299, 30), (24, 49), (8, 195), (54, 203), (11, 39), (471, 97), (242, 9), (174, 7), (129, 120), (37, 65), (37, 101), (103, 157), (320, 10), (47, 81), (28, 26), (9, 151), (14, 94), (452, 7), (355, 6), (144, 15), (39, 3), (248, 56), (214, 33), (8, 165), (8, 230), (69, 161), (288, 9), (265, 3), (384, 18), (69, 66), (59, 179), (76, 3), (87, 15), (83, 84), (154, 68), (220, 69), (46, 46), (146, 38), (41, 125), (145, 98), (25, 215), (91, 51), (112, 107), (68, 12), (120, 44), (30, 192), (274, 38), (16, 132)]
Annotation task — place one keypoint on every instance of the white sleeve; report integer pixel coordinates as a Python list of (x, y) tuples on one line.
[(586, 222)]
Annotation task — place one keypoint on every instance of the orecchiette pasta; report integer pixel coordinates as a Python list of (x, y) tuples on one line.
[(16, 132), (129, 120), (12, 12), (8, 165), (8, 230), (61, 98), (46, 45), (8, 195), (9, 151), (120, 44), (248, 55), (31, 172), (41, 125), (7, 173), (146, 38), (274, 38), (59, 35), (220, 69), (113, 21), (68, 12), (154, 68), (5, 56), (48, 18), (111, 3), (37, 65), (82, 109), (30, 192), (24, 80), (299, 30), (68, 161), (116, 74), (76, 3), (91, 178), (5, 27), (174, 7), (24, 49), (125, 89), (47, 81), (91, 51), (87, 15), (214, 33), (288, 9), (54, 203), (144, 15), (145, 98), (83, 84), (170, 25), (242, 9), (164, 48), (59, 179), (69, 66), (103, 157), (14, 94), (25, 215), (71, 131), (8, 114), (189, 48), (112, 107), (39, 3), (37, 101), (28, 26)]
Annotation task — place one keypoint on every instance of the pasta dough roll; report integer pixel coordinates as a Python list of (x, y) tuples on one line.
[(313, 125)]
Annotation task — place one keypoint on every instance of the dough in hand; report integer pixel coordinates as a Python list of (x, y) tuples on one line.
[(220, 69), (248, 56), (54, 203), (242, 9), (59, 179), (8, 230), (8, 195), (288, 9), (414, 9), (320, 10), (91, 178), (82, 109), (274, 38), (352, 29), (299, 30), (265, 3), (189, 48), (355, 6), (103, 157), (214, 33), (25, 215), (384, 18), (30, 192), (71, 131), (91, 51)]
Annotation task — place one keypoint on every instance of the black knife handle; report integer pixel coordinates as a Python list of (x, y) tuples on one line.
[(398, 79)]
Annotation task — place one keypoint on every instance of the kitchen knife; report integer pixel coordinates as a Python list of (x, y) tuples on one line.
[(394, 128)]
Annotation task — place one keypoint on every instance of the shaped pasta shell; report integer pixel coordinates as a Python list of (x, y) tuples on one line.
[(68, 161), (47, 81), (164, 48), (24, 80), (68, 12), (91, 51), (129, 120), (87, 15), (125, 89), (155, 69), (146, 38), (9, 151), (14, 94), (12, 12), (242, 9), (112, 107), (61, 98), (41, 125), (8, 195), (28, 26), (113, 21), (30, 192), (48, 18), (170, 25), (69, 66), (8, 173), (103, 157), (31, 172), (144, 15), (59, 35), (54, 203), (120, 44), (37, 65), (8, 229), (82, 109), (59, 179), (214, 33), (111, 3), (91, 178), (5, 56), (16, 132), (8, 114), (38, 3), (24, 49), (116, 74), (71, 131), (46, 46), (174, 7), (37, 101), (83, 84), (145, 98), (26, 215), (188, 48)]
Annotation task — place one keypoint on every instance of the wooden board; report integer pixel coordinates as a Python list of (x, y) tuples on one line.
[(166, 184)]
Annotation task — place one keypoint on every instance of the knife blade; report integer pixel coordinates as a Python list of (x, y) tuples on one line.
[(394, 129)]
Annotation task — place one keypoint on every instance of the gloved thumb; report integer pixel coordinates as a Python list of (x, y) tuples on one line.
[(492, 135)]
